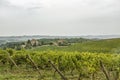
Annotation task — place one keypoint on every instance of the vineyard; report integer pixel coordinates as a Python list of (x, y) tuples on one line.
[(72, 65), (101, 61), (93, 46)]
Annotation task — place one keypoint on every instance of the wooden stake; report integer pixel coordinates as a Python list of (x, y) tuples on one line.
[(62, 76), (12, 60), (28, 56), (104, 71), (116, 75)]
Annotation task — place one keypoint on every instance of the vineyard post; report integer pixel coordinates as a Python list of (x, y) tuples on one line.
[(79, 78), (63, 77), (93, 76), (29, 57), (104, 70), (12, 60), (116, 75)]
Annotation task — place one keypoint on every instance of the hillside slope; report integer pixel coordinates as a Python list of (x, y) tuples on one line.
[(105, 45)]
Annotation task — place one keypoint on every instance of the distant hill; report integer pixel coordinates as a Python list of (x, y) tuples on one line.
[(99, 46), (105, 45), (101, 36), (5, 39)]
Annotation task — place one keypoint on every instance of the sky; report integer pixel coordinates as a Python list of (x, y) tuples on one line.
[(59, 17)]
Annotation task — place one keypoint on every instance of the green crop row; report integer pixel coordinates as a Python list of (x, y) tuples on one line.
[(85, 63)]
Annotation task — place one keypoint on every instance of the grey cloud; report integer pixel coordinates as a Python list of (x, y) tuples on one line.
[(61, 18), (7, 6), (3, 3)]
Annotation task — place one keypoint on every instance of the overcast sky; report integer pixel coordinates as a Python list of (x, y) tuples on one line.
[(59, 17)]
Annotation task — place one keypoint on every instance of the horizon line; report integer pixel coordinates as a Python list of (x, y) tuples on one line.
[(60, 35)]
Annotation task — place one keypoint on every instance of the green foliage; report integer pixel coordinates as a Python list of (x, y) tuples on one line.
[(84, 58), (96, 46)]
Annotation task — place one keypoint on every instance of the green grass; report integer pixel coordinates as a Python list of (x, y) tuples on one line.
[(107, 45), (46, 75)]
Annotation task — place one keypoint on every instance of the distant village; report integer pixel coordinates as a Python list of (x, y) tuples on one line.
[(35, 43), (31, 43)]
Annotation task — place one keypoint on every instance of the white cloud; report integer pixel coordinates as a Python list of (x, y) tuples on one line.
[(25, 3), (59, 16), (62, 8)]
